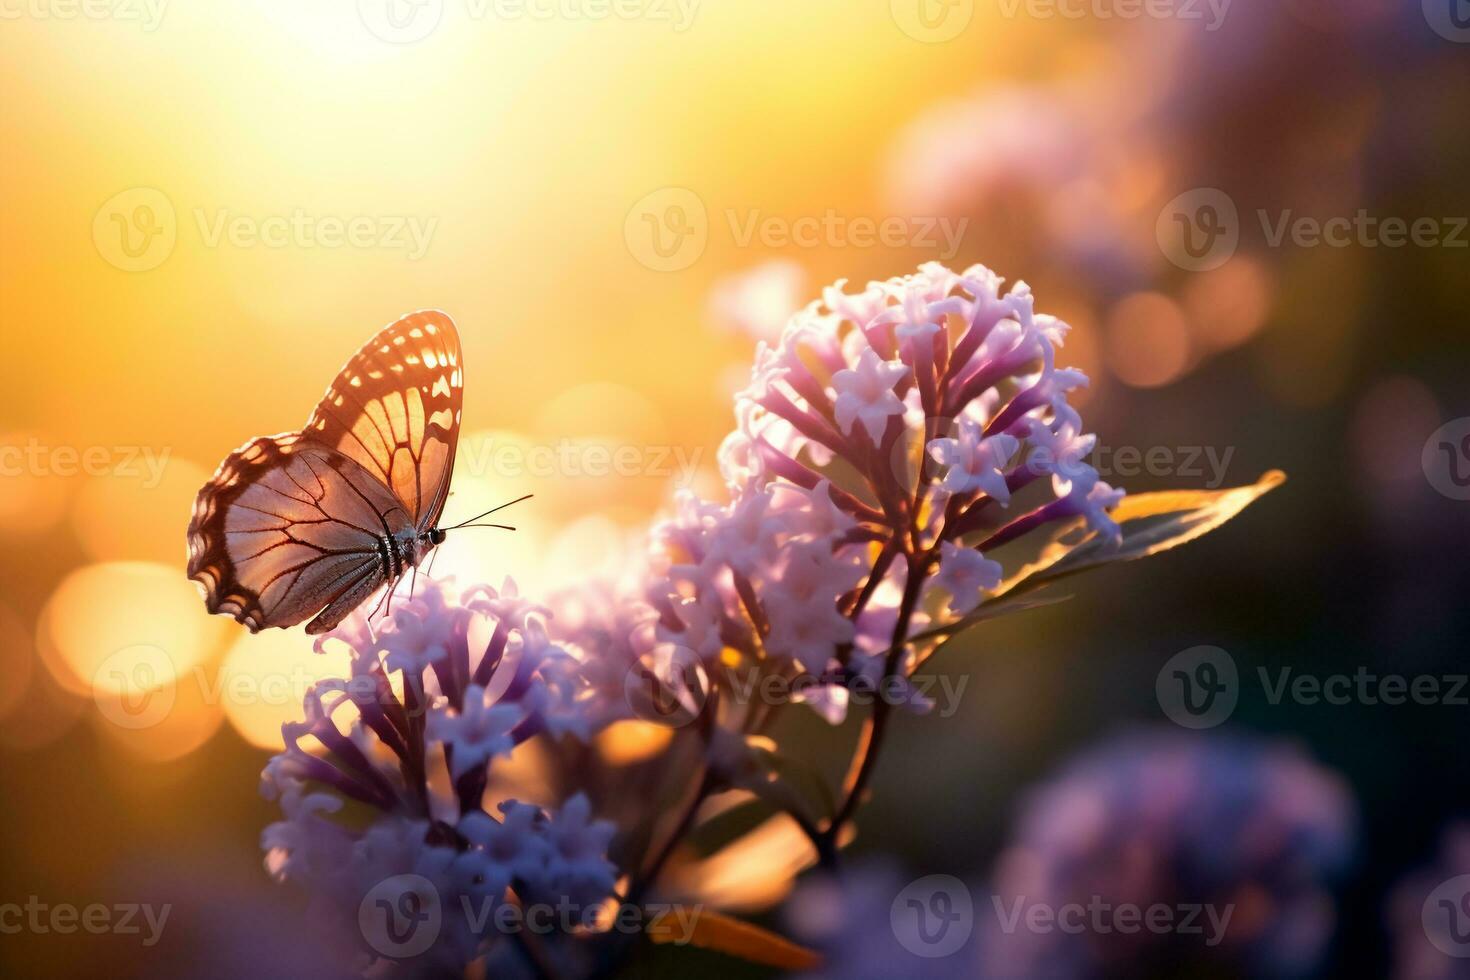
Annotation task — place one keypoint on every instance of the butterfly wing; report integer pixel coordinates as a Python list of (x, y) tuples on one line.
[(395, 409), (286, 527)]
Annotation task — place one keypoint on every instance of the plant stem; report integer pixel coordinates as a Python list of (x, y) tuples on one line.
[(865, 756)]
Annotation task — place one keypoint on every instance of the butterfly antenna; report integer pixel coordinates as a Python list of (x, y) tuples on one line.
[(503, 527), (487, 514)]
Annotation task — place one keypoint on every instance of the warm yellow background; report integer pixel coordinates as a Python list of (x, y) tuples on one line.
[(520, 144)]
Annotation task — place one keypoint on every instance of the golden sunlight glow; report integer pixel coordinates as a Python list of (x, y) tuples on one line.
[(139, 516), (190, 716), (264, 677), (626, 742), (17, 661), (1228, 305), (93, 626), (40, 475), (1147, 340), (43, 713)]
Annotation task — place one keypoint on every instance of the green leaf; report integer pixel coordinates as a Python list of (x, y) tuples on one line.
[(1151, 523)]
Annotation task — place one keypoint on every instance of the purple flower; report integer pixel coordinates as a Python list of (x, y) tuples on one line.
[(478, 677), (1246, 831), (881, 447)]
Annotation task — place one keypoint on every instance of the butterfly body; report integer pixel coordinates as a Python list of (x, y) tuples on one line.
[(307, 525)]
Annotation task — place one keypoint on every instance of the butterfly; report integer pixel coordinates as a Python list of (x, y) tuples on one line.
[(309, 524)]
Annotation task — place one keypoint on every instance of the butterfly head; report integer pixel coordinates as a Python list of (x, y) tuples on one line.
[(435, 536)]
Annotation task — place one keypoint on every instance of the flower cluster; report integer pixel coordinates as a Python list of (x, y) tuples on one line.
[(448, 687), (895, 452), (883, 450), (1245, 828)]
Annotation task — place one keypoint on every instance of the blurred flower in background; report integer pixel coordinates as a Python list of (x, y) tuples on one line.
[(1246, 830), (757, 302), (1428, 914)]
